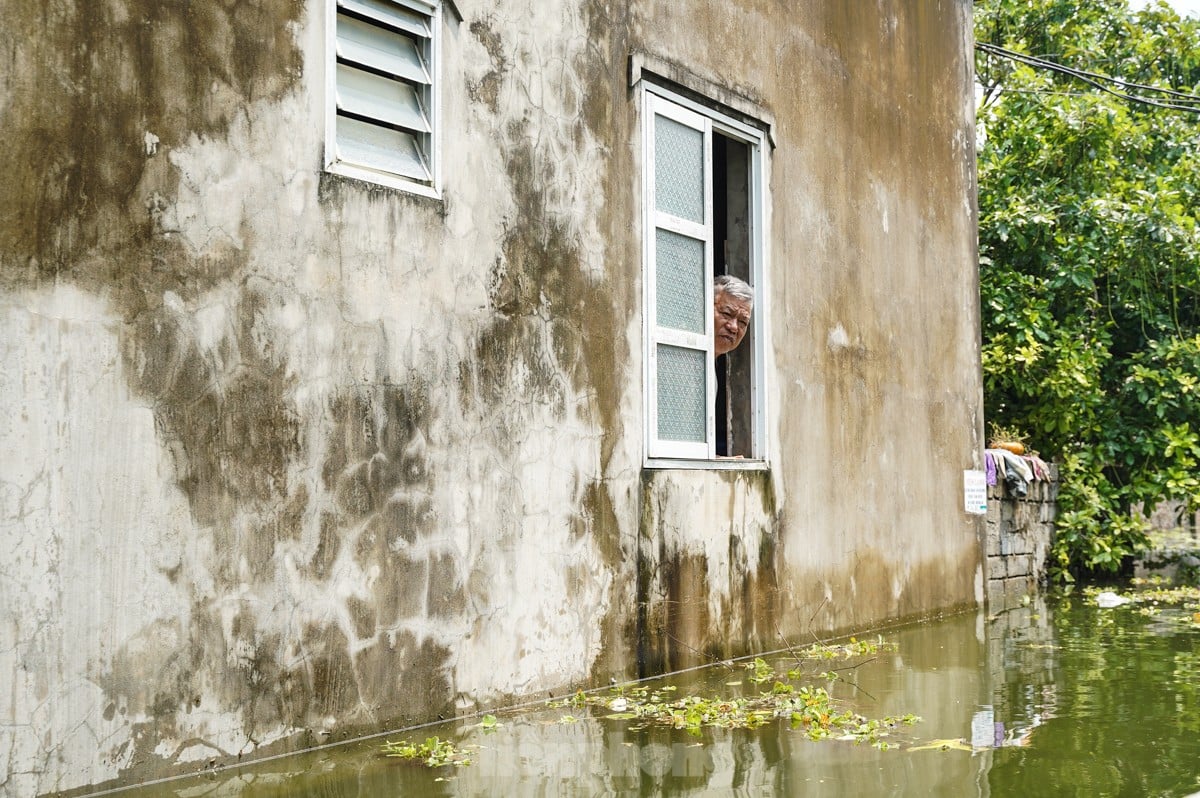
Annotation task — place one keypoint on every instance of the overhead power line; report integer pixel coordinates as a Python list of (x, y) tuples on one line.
[(1178, 100)]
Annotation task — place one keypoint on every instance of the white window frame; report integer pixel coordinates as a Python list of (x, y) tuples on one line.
[(362, 167), (660, 453)]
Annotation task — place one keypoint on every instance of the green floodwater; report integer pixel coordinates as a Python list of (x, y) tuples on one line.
[(1056, 698)]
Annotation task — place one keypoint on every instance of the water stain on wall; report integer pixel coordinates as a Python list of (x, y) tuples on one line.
[(557, 337), (486, 89), (381, 540), (680, 584), (100, 85), (110, 87), (344, 506), (379, 470), (223, 411), (553, 321), (110, 84)]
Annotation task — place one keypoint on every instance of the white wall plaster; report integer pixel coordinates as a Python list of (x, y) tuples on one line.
[(89, 526)]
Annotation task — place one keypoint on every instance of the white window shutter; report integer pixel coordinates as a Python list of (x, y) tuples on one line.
[(678, 195), (383, 113)]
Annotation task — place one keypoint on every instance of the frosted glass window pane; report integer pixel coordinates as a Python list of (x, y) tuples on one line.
[(682, 394), (679, 281), (678, 169)]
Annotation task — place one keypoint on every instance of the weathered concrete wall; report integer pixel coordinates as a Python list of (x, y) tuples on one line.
[(879, 310), (875, 299), (707, 568), (1020, 531), (291, 456)]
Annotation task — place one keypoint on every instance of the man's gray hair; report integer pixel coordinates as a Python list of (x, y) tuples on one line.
[(735, 287)]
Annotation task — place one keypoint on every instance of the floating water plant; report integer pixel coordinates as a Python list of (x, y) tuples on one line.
[(780, 698), (1152, 591), (760, 671), (434, 752), (854, 648), (1152, 598), (810, 710)]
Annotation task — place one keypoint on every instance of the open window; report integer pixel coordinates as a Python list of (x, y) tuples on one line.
[(703, 203)]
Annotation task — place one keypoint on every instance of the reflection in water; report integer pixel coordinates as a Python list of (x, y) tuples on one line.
[(1117, 710), (1064, 699)]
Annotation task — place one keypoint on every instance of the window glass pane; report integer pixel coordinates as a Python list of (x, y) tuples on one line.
[(682, 393), (679, 281), (379, 49), (367, 94), (678, 169), (389, 14), (381, 148)]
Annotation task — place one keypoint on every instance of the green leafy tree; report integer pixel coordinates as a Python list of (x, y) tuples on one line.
[(1090, 258)]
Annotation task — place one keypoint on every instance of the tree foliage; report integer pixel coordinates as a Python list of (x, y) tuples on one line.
[(1090, 260)]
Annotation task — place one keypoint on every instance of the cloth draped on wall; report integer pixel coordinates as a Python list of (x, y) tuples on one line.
[(1017, 470)]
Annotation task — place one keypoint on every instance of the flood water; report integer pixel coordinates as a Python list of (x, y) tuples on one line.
[(1056, 698)]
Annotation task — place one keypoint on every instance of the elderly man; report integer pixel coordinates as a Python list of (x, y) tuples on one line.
[(733, 300)]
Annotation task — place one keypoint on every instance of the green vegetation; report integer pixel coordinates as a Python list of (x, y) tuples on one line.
[(805, 708), (1152, 597), (776, 697), (1154, 591), (1090, 260), (434, 752), (810, 710)]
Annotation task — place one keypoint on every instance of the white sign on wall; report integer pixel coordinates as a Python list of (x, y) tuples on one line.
[(975, 492)]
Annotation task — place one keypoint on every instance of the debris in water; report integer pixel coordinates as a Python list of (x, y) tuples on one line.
[(1108, 600)]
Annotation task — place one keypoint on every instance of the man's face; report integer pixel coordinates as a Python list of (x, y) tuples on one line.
[(731, 320)]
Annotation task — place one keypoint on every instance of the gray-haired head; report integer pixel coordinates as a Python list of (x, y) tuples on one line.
[(735, 287)]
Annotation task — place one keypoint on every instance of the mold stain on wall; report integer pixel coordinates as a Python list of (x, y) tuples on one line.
[(289, 633), (556, 335), (102, 89), (94, 79), (380, 473), (109, 90), (707, 563)]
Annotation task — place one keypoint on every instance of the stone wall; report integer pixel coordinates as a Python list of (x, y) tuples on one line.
[(1019, 533)]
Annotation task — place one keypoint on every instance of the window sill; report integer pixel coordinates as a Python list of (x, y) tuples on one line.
[(381, 179), (664, 463)]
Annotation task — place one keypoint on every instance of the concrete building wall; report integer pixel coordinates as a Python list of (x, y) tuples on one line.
[(290, 456)]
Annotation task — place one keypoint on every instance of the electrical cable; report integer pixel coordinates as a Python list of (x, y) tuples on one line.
[(1098, 76), (1098, 81)]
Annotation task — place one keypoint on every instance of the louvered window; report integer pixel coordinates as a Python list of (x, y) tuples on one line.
[(384, 92)]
